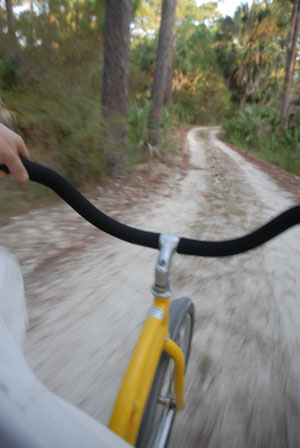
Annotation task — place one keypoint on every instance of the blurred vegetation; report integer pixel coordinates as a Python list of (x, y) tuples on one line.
[(227, 71), (251, 49), (257, 129)]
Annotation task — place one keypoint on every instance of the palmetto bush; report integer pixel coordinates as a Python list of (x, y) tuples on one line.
[(258, 130)]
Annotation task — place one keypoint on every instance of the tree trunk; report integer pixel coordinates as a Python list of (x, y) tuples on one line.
[(243, 102), (11, 25), (165, 40), (51, 29), (30, 31), (116, 71), (291, 61), (168, 89)]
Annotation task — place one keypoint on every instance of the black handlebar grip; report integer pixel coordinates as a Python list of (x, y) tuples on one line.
[(61, 186)]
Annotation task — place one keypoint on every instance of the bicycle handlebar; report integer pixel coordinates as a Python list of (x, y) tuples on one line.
[(61, 186)]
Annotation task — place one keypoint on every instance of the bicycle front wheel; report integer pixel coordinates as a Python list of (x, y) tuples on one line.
[(160, 409)]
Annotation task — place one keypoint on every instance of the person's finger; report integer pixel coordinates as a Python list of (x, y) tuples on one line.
[(3, 175), (22, 149), (17, 168)]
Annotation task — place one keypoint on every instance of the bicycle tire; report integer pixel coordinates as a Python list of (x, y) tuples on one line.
[(158, 419)]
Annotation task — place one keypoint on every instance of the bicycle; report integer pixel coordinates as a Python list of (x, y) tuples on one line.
[(152, 390)]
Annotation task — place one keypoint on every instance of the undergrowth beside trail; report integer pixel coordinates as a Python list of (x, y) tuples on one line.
[(64, 129), (257, 130)]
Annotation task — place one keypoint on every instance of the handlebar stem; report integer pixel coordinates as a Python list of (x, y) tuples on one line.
[(168, 245)]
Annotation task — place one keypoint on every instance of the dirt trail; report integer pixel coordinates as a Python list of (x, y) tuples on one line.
[(88, 295)]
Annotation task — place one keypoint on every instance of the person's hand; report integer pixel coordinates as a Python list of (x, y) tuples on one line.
[(12, 147)]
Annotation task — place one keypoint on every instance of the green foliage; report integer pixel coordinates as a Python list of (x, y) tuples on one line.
[(253, 122), (62, 119), (257, 130), (200, 93), (249, 56), (146, 17), (9, 68), (144, 53), (137, 130), (138, 113)]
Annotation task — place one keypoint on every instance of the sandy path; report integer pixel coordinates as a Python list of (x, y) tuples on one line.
[(88, 295)]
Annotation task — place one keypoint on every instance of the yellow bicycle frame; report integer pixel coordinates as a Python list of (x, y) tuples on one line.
[(129, 408)]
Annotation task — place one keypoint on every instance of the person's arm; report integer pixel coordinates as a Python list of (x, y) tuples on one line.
[(11, 147)]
